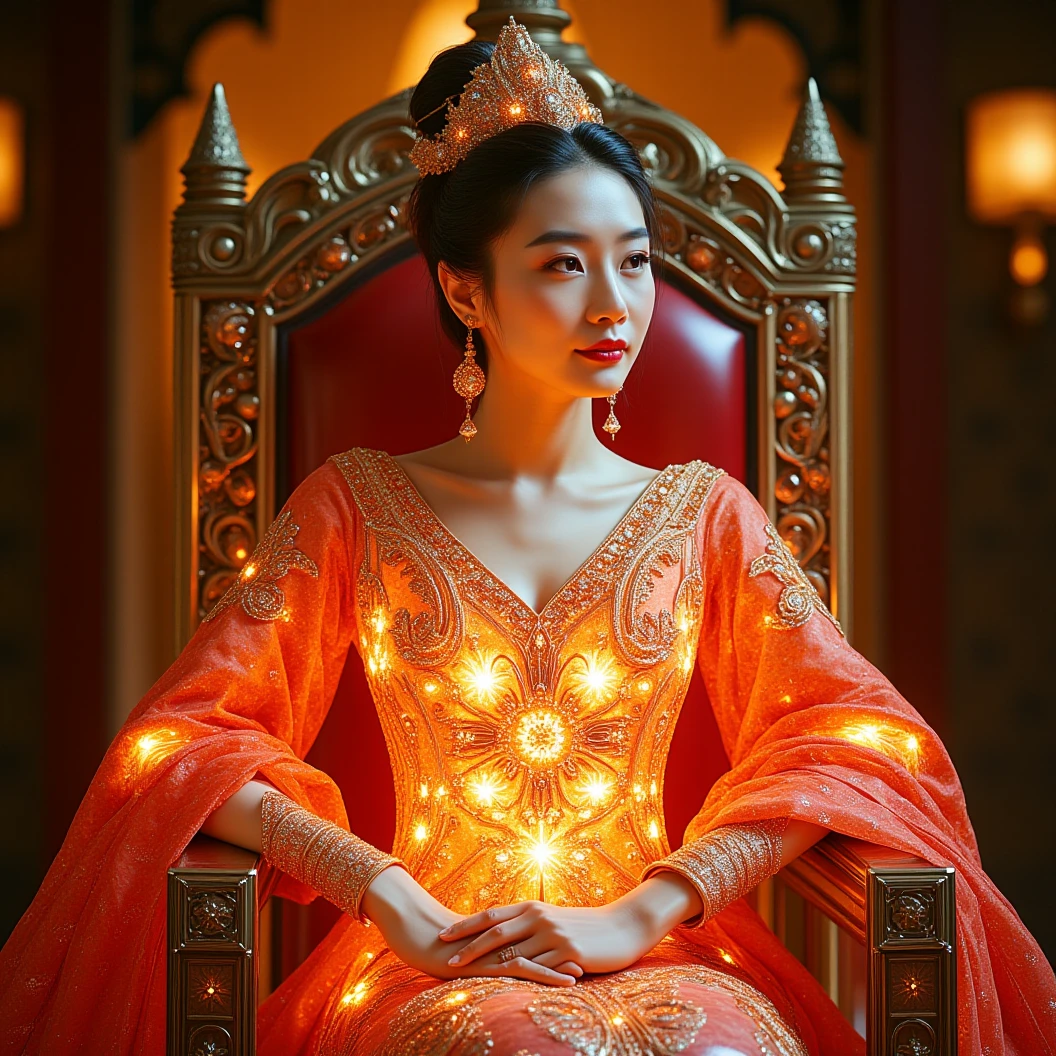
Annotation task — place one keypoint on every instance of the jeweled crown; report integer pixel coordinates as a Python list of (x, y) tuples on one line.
[(520, 83)]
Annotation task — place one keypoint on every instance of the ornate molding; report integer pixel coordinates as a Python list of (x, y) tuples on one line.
[(228, 442), (803, 480)]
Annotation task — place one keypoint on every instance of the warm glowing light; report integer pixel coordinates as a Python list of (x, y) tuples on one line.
[(516, 109), (210, 989), (654, 830), (484, 788), (249, 571), (421, 832), (356, 994), (616, 1020), (599, 677), (241, 553), (540, 736), (425, 790), (597, 789), (151, 748), (726, 957), (441, 791), (903, 747), (12, 161), (482, 679), (1011, 155), (377, 620), (1028, 262), (652, 788), (461, 133), (541, 849), (457, 997), (687, 662), (644, 686), (431, 687)]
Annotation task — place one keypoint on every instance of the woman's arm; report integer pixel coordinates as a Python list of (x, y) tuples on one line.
[(237, 819), (666, 899)]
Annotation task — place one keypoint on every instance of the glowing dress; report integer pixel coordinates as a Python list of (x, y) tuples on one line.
[(528, 753)]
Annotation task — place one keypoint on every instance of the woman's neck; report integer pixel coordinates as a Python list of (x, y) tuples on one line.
[(526, 428)]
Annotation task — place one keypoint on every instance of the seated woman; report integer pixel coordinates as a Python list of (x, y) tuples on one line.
[(529, 608)]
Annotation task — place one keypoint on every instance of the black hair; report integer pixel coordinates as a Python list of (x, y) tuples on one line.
[(456, 215)]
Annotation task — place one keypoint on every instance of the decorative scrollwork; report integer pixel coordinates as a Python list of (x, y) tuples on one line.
[(227, 483), (911, 914), (210, 1040), (802, 485), (913, 1037), (212, 915)]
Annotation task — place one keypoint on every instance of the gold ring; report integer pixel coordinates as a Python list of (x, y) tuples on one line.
[(508, 952)]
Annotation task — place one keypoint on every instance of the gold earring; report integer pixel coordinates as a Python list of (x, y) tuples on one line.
[(469, 381), (612, 425)]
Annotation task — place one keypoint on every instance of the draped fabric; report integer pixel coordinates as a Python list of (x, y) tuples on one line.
[(510, 731)]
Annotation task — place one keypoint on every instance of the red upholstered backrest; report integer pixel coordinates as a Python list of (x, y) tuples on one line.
[(373, 368)]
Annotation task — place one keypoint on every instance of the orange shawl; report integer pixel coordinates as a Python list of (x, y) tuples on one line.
[(812, 730)]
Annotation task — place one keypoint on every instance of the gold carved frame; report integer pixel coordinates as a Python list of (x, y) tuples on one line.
[(782, 263)]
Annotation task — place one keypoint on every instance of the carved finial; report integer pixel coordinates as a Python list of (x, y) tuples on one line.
[(215, 171), (812, 165)]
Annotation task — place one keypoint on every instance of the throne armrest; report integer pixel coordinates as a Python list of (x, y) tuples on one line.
[(213, 950), (903, 910)]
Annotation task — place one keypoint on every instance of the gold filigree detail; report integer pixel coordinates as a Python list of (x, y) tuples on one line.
[(799, 599), (445, 1017), (634, 1013), (257, 587)]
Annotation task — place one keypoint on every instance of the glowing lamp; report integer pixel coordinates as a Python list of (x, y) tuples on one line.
[(12, 161), (1011, 180)]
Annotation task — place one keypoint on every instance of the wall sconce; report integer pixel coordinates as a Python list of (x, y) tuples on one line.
[(1011, 173), (12, 161)]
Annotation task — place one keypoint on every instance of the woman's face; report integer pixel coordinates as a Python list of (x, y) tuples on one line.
[(572, 270)]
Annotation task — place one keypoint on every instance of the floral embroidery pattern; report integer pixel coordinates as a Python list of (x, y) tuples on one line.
[(799, 599), (257, 586)]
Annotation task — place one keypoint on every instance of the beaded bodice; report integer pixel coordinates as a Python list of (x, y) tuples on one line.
[(527, 748)]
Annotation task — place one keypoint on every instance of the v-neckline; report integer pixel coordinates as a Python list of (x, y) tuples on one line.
[(537, 616)]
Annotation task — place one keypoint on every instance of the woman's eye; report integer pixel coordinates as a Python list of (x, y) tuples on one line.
[(556, 264), (642, 259)]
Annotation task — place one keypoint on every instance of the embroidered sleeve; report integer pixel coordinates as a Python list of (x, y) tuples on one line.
[(799, 599), (257, 586)]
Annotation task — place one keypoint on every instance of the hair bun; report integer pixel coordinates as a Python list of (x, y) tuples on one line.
[(448, 73)]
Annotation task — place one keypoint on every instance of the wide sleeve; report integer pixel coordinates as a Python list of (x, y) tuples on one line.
[(815, 732), (84, 969)]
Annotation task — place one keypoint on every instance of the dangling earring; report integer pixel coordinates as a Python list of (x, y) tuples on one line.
[(469, 381), (612, 425)]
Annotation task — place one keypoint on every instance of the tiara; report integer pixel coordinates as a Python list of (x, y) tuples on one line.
[(520, 83)]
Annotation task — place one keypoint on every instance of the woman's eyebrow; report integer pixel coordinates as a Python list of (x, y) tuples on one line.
[(578, 236)]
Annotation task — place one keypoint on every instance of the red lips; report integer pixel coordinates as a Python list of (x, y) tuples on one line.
[(608, 345), (607, 351)]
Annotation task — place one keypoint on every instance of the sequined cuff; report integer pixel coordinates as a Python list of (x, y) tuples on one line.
[(725, 863), (327, 858)]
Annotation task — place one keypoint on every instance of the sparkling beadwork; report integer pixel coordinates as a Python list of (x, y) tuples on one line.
[(799, 599), (520, 83), (257, 586)]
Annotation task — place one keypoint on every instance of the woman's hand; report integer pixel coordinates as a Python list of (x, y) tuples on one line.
[(409, 918), (591, 938)]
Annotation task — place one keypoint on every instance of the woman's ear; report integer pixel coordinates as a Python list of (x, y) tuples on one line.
[(464, 298)]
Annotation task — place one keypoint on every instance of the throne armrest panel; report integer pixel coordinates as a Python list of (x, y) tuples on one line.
[(903, 910), (213, 949)]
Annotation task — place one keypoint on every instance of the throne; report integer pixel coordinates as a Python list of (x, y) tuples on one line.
[(296, 309)]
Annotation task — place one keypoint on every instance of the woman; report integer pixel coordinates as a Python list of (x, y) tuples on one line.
[(529, 608)]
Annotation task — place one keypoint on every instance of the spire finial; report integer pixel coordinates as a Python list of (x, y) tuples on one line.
[(812, 166), (215, 171)]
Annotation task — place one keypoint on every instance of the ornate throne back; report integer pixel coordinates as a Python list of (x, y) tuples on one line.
[(305, 325)]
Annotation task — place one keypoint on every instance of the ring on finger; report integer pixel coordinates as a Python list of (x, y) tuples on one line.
[(508, 952)]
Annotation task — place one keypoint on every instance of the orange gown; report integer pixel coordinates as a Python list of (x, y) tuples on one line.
[(528, 754)]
